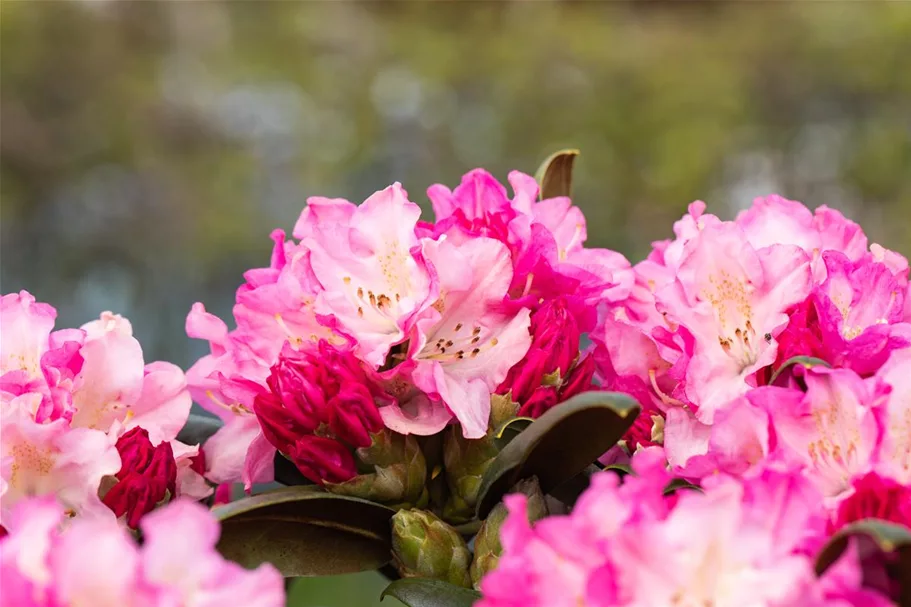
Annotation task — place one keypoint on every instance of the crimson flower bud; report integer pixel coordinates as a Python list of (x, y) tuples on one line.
[(146, 477), (322, 459), (554, 347), (541, 400), (354, 416)]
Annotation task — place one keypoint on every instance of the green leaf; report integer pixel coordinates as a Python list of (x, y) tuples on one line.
[(555, 175), (558, 445), (511, 429), (198, 429), (287, 473), (806, 361), (421, 592), (888, 537), (679, 483), (305, 531)]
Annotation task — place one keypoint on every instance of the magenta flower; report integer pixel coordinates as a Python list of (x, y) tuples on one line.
[(629, 545)]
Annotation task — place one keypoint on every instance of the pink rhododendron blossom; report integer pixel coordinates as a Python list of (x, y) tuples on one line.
[(740, 542), (69, 395), (53, 459), (874, 496), (95, 562), (831, 429), (371, 276), (732, 298), (464, 345), (894, 415)]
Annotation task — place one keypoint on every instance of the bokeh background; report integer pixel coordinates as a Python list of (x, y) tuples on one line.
[(148, 148)]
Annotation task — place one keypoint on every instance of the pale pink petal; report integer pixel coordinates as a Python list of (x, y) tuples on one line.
[(164, 404), (26, 327), (110, 380), (226, 450)]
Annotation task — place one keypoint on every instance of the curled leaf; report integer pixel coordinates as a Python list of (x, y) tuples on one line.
[(887, 537), (305, 531), (555, 175), (422, 592), (198, 429), (558, 445), (511, 429), (805, 361)]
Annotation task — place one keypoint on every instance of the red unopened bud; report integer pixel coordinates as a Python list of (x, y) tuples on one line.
[(322, 459), (354, 415), (554, 347), (580, 379), (147, 475), (543, 399)]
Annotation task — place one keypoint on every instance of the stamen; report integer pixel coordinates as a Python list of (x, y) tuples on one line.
[(666, 399)]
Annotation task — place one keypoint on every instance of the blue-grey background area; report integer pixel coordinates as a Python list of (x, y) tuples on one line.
[(148, 148)]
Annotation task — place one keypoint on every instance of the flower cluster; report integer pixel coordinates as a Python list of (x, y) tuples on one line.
[(95, 562), (84, 419), (738, 542), (707, 337), (370, 318)]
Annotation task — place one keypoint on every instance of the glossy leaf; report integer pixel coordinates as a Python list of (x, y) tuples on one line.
[(198, 429), (421, 592), (555, 175), (806, 361), (559, 445), (305, 531), (511, 429), (287, 473), (888, 537)]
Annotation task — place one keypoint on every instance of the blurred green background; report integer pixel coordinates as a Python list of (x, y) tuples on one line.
[(148, 148)]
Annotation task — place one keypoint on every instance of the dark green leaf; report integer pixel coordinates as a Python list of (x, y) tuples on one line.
[(806, 361), (421, 592), (198, 429), (511, 429), (305, 531), (555, 175), (569, 491), (621, 469), (287, 473), (558, 445), (888, 537), (679, 483)]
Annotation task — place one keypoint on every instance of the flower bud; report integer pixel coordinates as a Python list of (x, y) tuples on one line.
[(353, 415), (465, 461), (320, 406), (147, 476), (487, 546), (425, 546), (399, 471), (554, 347), (322, 459)]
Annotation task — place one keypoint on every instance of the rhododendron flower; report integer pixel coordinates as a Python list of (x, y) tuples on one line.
[(367, 263), (52, 459), (738, 543), (854, 317), (96, 562), (732, 298), (894, 415), (545, 238), (67, 396), (464, 345)]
